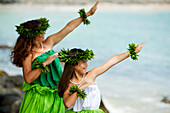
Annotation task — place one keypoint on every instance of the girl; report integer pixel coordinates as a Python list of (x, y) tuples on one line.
[(41, 67), (75, 74)]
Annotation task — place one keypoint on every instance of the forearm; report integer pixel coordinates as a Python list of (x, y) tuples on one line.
[(52, 40), (32, 75), (76, 22), (118, 58), (70, 100), (111, 62)]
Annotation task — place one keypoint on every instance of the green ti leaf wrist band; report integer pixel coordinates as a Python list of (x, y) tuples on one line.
[(132, 49), (80, 93), (83, 14), (39, 65)]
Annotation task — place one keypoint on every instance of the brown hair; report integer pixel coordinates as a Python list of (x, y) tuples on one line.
[(23, 46), (67, 73)]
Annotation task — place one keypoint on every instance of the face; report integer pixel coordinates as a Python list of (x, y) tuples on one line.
[(40, 37), (81, 67)]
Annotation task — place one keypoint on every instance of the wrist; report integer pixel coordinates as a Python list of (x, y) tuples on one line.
[(44, 64), (78, 91), (87, 14), (41, 66), (84, 15)]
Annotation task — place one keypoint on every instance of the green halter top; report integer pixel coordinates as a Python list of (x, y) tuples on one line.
[(48, 79)]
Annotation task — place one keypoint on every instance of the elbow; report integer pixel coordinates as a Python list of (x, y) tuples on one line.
[(67, 105), (70, 28), (27, 81)]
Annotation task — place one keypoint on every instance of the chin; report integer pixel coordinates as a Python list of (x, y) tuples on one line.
[(84, 72)]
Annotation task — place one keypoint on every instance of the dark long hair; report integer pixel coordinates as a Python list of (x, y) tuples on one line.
[(67, 73), (23, 46)]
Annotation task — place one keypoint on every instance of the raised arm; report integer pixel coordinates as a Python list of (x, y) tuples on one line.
[(113, 61), (57, 37)]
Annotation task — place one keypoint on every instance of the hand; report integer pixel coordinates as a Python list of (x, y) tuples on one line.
[(50, 59), (93, 9), (139, 47)]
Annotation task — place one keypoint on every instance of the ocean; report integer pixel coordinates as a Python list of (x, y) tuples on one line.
[(128, 87)]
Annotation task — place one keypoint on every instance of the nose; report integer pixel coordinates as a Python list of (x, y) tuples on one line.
[(86, 64)]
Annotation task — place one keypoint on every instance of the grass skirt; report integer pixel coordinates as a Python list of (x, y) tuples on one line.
[(86, 111), (40, 99)]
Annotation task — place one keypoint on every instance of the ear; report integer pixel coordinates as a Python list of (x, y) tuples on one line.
[(75, 67)]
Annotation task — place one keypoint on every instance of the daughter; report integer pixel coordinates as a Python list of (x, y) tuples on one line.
[(75, 74)]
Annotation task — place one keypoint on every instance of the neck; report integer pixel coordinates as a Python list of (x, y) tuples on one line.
[(37, 47), (37, 44), (76, 80), (77, 76)]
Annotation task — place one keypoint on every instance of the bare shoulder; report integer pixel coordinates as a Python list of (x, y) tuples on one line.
[(28, 59), (47, 46), (90, 76), (48, 42)]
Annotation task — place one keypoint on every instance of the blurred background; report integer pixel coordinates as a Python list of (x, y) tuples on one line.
[(129, 87)]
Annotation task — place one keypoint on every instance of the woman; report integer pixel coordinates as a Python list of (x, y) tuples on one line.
[(75, 74), (41, 67)]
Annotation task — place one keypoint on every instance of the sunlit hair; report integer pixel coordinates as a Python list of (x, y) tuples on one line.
[(23, 46), (67, 73)]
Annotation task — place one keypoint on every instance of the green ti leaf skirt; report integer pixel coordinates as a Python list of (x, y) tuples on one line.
[(41, 99), (85, 111)]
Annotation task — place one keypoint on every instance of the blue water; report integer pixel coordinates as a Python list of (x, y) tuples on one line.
[(130, 86)]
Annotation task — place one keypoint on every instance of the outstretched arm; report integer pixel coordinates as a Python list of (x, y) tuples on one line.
[(113, 61), (57, 37)]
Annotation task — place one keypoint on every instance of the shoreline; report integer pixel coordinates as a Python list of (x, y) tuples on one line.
[(108, 7)]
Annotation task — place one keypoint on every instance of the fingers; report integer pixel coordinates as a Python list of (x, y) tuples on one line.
[(144, 42), (56, 54), (96, 4), (53, 56)]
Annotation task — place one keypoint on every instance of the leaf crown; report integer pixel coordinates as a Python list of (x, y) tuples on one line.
[(64, 56), (27, 33)]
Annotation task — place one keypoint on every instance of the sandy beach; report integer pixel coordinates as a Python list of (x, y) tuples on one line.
[(103, 7)]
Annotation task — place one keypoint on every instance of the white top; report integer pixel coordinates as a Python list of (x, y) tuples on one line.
[(91, 102)]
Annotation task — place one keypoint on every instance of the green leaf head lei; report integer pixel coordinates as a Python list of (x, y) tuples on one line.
[(28, 33), (64, 56)]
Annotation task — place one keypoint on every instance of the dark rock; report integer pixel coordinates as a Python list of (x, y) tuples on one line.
[(8, 99), (10, 103), (5, 109), (166, 100), (11, 94), (5, 47), (3, 78), (17, 81), (102, 106), (10, 81), (16, 106)]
